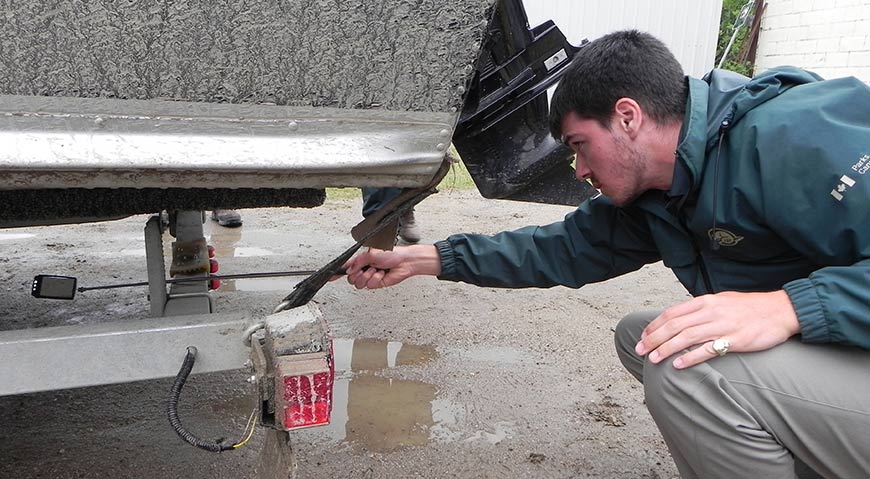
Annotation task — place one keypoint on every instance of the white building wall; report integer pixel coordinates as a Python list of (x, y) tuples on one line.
[(689, 27), (829, 37)]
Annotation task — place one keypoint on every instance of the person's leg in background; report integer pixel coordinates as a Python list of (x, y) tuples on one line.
[(756, 414), (375, 198)]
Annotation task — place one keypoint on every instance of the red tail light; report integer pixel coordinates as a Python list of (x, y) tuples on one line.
[(303, 392), (300, 366)]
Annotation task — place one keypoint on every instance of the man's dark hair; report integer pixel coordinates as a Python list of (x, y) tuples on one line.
[(627, 63)]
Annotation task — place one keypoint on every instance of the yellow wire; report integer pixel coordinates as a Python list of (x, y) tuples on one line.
[(252, 423)]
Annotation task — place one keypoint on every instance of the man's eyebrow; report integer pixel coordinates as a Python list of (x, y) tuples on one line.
[(566, 139)]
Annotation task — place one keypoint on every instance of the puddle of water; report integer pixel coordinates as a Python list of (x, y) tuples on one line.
[(224, 241), (385, 415), (15, 236), (499, 432), (372, 413), (447, 417), (375, 354), (379, 414), (226, 244), (250, 251)]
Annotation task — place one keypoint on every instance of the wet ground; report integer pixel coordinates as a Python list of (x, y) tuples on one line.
[(434, 379)]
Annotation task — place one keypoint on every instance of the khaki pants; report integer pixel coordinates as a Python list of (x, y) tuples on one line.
[(747, 415)]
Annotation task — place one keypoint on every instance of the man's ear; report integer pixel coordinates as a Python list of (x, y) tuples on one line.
[(628, 116)]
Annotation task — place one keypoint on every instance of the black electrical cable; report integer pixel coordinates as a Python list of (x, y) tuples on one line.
[(172, 409)]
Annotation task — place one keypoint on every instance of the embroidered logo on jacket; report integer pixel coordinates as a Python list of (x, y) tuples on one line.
[(845, 183), (723, 237)]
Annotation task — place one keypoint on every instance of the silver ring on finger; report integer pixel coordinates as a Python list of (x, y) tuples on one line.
[(721, 346)]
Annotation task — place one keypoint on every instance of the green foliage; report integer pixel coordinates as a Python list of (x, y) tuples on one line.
[(457, 178), (743, 68), (730, 12), (341, 194)]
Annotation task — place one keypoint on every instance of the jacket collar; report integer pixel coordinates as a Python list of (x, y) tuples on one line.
[(691, 147)]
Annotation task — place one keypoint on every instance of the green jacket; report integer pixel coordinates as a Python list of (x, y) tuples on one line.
[(779, 198)]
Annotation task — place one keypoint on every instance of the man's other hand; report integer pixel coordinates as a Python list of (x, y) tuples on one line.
[(748, 321)]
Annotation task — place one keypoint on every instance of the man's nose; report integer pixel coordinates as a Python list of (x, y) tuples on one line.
[(581, 171)]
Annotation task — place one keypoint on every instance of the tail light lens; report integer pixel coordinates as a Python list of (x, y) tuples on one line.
[(303, 390)]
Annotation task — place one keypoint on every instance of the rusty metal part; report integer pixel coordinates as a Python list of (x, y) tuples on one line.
[(366, 230), (189, 257)]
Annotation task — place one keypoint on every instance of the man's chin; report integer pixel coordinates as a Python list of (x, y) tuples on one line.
[(620, 200)]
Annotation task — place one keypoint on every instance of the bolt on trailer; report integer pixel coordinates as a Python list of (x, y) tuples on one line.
[(114, 109)]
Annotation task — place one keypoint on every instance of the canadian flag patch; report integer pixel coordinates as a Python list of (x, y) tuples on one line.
[(839, 190)]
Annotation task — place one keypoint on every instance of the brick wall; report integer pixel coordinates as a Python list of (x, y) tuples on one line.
[(829, 37)]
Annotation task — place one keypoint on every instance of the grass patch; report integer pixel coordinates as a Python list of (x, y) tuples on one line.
[(342, 193), (456, 179)]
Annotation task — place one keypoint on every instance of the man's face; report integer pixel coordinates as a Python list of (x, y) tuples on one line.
[(605, 157)]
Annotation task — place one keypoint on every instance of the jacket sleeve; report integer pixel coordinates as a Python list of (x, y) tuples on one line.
[(815, 164), (593, 243)]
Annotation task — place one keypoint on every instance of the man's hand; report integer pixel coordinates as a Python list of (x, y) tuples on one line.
[(749, 321), (378, 269)]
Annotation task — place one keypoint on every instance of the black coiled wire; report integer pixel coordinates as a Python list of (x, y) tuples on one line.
[(172, 409)]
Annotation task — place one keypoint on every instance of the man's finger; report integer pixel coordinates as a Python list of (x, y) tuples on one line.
[(353, 265), (376, 281), (676, 334), (680, 342), (362, 278), (676, 311), (696, 356)]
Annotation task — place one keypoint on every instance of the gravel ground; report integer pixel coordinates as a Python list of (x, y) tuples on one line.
[(435, 379)]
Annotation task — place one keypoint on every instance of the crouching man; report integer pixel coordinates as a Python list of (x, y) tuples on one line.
[(746, 190)]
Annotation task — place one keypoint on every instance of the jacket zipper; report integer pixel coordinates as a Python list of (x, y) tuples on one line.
[(696, 249), (708, 283), (723, 127)]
